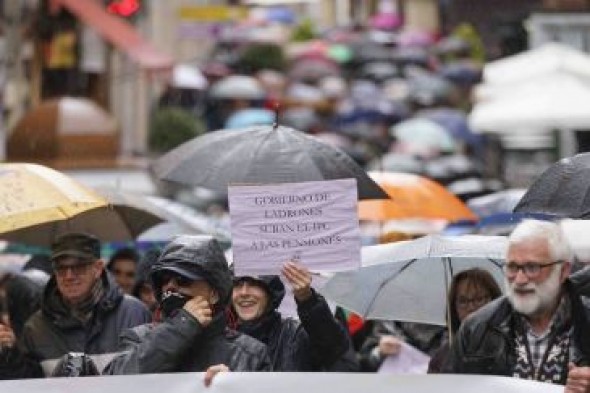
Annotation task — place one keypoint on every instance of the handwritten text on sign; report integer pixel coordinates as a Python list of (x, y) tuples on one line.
[(314, 222)]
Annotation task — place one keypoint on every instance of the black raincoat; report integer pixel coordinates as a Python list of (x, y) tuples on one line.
[(180, 343)]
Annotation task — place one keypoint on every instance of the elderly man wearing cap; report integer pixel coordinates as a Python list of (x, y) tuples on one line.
[(193, 286), (83, 311)]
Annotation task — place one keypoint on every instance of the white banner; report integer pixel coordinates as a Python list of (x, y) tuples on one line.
[(315, 223), (281, 382)]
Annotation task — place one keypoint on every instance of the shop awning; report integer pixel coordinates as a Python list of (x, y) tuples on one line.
[(118, 32)]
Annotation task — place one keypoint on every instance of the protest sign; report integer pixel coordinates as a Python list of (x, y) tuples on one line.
[(315, 223)]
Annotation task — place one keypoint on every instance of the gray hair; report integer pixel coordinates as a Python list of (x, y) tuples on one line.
[(551, 232)]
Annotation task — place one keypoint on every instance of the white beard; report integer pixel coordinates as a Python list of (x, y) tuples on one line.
[(544, 297)]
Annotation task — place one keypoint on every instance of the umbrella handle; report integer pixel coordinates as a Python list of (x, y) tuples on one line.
[(277, 108), (448, 271)]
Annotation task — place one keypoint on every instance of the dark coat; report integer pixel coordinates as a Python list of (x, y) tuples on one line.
[(52, 332), (317, 343), (485, 341), (180, 343), (23, 297)]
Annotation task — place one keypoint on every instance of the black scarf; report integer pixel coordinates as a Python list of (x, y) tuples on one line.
[(261, 328)]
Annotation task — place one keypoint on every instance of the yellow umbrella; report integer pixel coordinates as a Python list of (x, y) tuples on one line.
[(32, 194)]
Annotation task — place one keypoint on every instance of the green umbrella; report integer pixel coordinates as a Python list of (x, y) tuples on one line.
[(340, 53)]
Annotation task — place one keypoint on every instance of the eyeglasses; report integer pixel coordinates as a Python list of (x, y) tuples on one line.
[(181, 281), (79, 268), (477, 301), (530, 269)]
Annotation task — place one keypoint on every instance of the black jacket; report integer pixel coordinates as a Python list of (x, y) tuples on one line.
[(317, 343), (180, 343), (485, 341), (52, 332)]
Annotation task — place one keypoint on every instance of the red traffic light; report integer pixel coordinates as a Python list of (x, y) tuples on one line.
[(123, 8)]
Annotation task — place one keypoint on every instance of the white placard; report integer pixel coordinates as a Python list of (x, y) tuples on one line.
[(315, 223), (236, 382)]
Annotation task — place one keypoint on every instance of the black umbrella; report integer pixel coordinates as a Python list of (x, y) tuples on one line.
[(262, 154), (561, 190)]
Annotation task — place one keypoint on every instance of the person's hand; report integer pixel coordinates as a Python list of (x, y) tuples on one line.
[(7, 337), (578, 379), (199, 308), (389, 345), (299, 279), (212, 371)]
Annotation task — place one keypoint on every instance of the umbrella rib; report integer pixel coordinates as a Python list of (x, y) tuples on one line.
[(383, 283)]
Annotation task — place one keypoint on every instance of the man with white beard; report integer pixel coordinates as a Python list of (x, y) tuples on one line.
[(540, 329)]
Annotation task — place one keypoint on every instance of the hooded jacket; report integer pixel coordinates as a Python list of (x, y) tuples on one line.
[(317, 343), (52, 332), (180, 343), (485, 341)]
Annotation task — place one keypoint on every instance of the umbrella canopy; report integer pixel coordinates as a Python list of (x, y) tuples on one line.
[(262, 154), (413, 196), (386, 21), (185, 76), (556, 101), (449, 168), (562, 190), (312, 69), (33, 194), (396, 162), (415, 38), (379, 71), (391, 282), (238, 87), (455, 122), (64, 127), (181, 219), (367, 51), (498, 202), (250, 117), (423, 133), (125, 217), (549, 58)]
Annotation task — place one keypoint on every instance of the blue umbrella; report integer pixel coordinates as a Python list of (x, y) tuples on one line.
[(281, 15), (250, 117), (504, 223), (455, 122)]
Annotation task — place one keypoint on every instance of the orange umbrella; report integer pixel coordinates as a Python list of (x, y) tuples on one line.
[(413, 196)]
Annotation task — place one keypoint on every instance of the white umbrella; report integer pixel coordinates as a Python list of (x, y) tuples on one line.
[(545, 59), (185, 76), (238, 86), (556, 101), (408, 281), (182, 219)]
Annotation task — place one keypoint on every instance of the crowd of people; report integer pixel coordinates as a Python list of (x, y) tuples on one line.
[(83, 320)]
